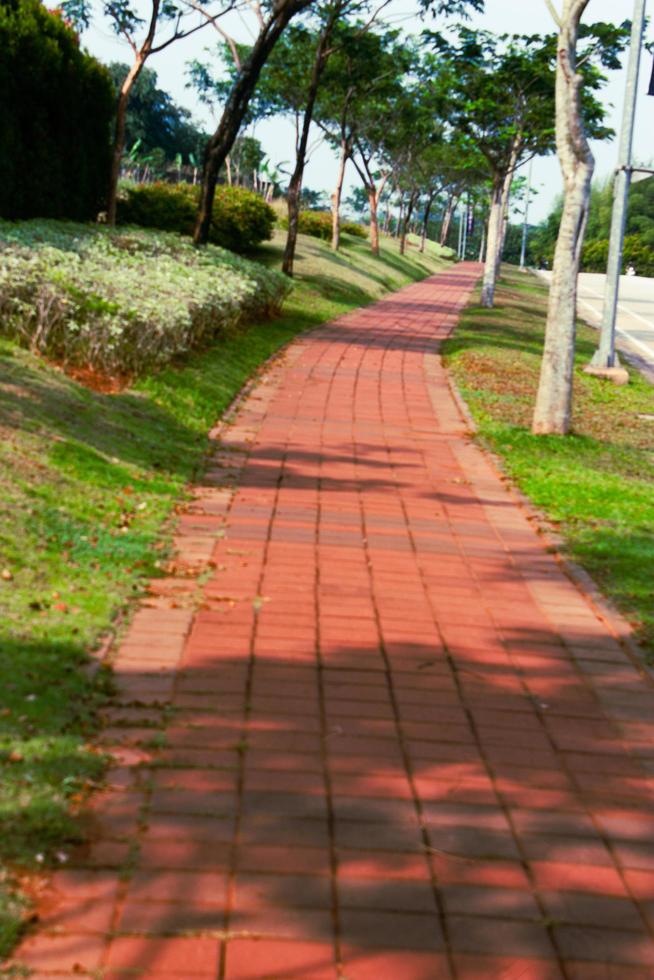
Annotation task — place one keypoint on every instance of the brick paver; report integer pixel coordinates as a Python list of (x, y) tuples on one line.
[(368, 726)]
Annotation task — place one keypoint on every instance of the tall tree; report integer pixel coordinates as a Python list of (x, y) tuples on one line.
[(498, 92), (272, 24), (552, 414), (168, 21), (357, 101), (365, 87)]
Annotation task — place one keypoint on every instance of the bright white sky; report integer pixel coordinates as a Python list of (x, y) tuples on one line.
[(510, 16)]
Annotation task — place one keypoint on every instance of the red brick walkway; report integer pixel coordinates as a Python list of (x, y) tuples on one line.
[(402, 745)]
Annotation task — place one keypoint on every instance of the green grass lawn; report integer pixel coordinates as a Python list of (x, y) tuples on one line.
[(596, 485), (87, 483)]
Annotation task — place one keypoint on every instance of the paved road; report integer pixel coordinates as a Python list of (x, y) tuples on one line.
[(399, 743), (635, 322)]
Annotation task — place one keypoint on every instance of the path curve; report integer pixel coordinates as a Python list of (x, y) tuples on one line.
[(402, 745)]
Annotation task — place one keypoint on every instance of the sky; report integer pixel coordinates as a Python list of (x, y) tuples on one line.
[(510, 16)]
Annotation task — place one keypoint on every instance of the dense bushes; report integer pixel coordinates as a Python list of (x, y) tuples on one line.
[(57, 107), (123, 301), (241, 219), (636, 253), (318, 224), (351, 228)]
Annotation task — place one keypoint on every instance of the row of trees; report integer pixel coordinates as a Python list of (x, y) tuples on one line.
[(463, 109), (171, 21), (458, 110)]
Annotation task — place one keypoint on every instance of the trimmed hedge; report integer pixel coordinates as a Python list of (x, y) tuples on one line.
[(124, 301), (318, 224), (55, 123), (241, 219)]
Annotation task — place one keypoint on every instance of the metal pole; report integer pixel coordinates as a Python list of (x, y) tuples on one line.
[(605, 356), (523, 250), (458, 251)]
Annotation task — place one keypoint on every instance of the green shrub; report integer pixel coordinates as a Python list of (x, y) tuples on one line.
[(123, 300), (241, 219), (351, 228), (55, 123), (318, 224)]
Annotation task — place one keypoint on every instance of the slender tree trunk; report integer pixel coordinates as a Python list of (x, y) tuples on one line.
[(495, 219), (387, 216), (295, 183), (119, 136), (500, 194), (482, 244), (552, 414), (221, 142), (447, 218), (337, 194), (425, 221), (374, 224), (397, 231), (407, 219)]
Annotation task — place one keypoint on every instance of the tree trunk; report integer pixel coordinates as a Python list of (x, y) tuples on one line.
[(407, 218), (447, 219), (397, 231), (336, 196), (373, 201), (553, 409), (223, 139), (295, 183), (387, 216), (497, 217), (482, 244), (493, 242), (423, 237), (119, 136)]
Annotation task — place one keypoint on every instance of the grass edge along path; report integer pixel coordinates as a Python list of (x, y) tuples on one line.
[(595, 486), (89, 482)]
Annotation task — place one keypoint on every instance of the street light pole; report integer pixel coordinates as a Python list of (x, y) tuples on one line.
[(464, 245), (523, 250), (605, 356), (459, 249)]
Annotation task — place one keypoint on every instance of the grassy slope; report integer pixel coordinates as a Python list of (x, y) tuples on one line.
[(597, 484), (86, 484)]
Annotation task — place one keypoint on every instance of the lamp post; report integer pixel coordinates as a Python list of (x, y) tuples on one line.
[(459, 251), (525, 225), (605, 355)]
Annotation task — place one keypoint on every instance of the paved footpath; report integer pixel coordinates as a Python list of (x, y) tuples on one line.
[(396, 742)]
